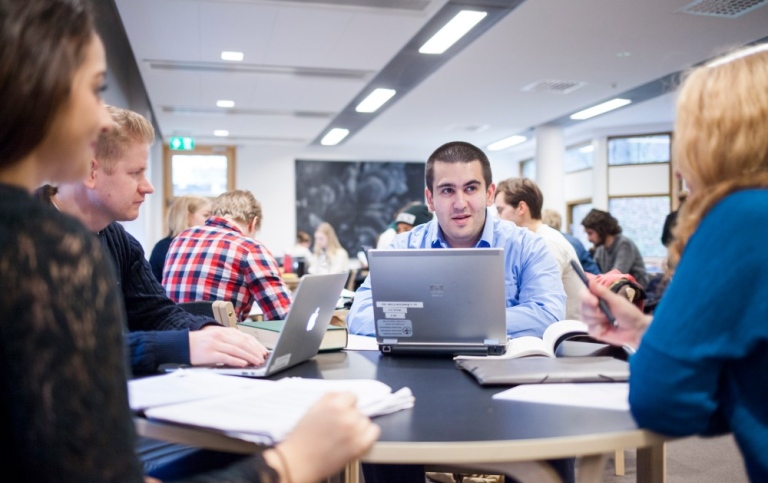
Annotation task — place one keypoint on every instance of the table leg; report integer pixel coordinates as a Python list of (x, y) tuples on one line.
[(522, 471), (591, 468), (651, 464)]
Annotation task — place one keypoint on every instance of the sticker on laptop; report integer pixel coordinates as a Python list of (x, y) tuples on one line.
[(405, 305), (281, 362), (394, 328)]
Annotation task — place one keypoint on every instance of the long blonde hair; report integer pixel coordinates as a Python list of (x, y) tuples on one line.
[(181, 208), (333, 241), (721, 134)]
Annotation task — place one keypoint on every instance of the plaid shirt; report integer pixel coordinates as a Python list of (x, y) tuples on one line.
[(217, 262)]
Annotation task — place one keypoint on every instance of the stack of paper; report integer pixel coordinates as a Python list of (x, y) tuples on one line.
[(254, 410)]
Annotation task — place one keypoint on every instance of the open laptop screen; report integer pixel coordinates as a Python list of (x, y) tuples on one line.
[(439, 299)]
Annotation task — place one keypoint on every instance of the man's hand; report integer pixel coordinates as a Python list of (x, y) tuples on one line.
[(332, 433), (224, 345), (631, 323)]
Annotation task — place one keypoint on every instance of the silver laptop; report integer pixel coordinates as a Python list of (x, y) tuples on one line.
[(441, 301), (304, 328)]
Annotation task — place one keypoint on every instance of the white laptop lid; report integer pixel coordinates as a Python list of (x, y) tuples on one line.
[(432, 298), (304, 328)]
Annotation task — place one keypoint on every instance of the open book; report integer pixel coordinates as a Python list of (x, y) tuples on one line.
[(565, 353), (559, 340), (260, 411)]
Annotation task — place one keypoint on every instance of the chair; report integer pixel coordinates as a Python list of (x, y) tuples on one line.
[(222, 311)]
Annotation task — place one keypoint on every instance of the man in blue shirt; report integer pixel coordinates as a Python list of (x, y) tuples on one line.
[(459, 190)]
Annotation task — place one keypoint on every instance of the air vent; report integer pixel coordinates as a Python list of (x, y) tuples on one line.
[(554, 86), (248, 112), (316, 72), (722, 8)]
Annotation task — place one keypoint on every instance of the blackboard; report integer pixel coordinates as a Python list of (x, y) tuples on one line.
[(359, 199)]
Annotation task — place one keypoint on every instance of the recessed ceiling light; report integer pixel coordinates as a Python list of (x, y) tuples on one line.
[(455, 29), (231, 55), (221, 133), (375, 100), (334, 136), (506, 143), (225, 103), (600, 109)]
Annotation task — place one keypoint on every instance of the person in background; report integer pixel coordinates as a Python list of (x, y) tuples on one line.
[(519, 200), (61, 341), (185, 212), (412, 217), (553, 219), (328, 256), (701, 365), (302, 247), (671, 220), (222, 260), (613, 251), (386, 237)]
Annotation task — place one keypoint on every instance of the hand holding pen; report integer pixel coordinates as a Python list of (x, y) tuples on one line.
[(624, 324)]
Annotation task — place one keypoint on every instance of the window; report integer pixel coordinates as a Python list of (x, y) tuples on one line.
[(205, 171), (576, 213), (578, 158), (642, 220), (652, 148), (528, 168)]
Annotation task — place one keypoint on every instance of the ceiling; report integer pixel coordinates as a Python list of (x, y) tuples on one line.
[(307, 64)]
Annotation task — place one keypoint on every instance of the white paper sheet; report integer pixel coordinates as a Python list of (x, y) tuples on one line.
[(612, 395), (361, 343)]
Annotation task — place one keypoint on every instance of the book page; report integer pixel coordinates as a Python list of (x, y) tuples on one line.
[(182, 386), (554, 332), (612, 395), (267, 416), (525, 346)]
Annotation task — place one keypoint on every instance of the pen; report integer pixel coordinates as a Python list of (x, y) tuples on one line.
[(603, 306)]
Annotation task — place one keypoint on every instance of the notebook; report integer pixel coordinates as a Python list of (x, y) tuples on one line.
[(303, 332), (439, 301), (539, 370)]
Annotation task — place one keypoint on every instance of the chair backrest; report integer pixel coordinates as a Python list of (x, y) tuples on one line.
[(222, 311)]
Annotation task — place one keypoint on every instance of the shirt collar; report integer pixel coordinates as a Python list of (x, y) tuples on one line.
[(485, 241), (222, 223)]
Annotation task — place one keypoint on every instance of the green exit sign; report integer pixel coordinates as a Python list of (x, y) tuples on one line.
[(182, 144)]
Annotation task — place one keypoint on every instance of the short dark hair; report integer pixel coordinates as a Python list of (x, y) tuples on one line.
[(42, 44), (602, 222), (457, 152), (516, 190)]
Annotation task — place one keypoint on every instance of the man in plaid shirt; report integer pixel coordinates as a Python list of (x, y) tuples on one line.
[(222, 261)]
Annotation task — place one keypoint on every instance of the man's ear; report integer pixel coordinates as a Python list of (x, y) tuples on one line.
[(90, 180), (430, 202), (252, 225), (491, 192)]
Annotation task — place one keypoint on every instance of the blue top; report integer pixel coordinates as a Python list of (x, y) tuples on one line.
[(587, 263), (702, 366), (157, 258), (534, 291)]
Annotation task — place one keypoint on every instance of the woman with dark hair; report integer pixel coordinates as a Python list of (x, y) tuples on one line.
[(613, 251), (702, 366), (65, 413)]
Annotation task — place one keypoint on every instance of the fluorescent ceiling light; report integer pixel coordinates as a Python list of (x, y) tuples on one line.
[(452, 31), (229, 55), (225, 103), (334, 136), (221, 133), (506, 143), (375, 100), (738, 55), (600, 109)]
